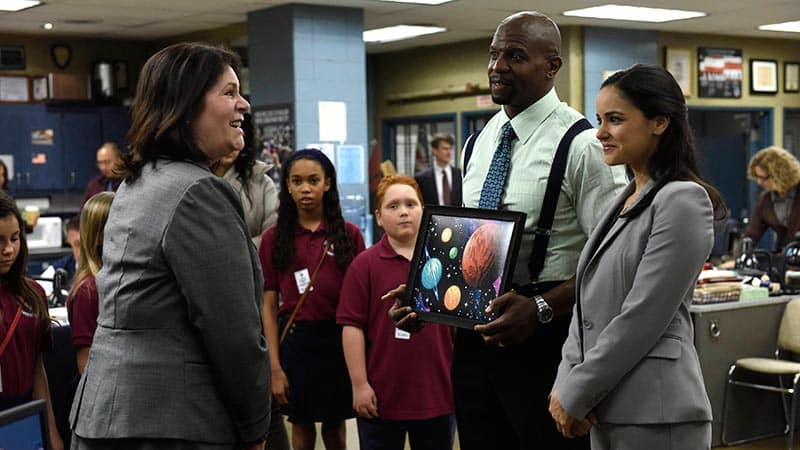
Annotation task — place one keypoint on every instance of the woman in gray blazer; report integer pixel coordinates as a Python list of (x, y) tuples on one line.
[(178, 360), (630, 372)]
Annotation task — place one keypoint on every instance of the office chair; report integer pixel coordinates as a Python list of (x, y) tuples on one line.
[(788, 343)]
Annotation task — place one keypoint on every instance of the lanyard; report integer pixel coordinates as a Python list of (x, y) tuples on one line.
[(10, 331)]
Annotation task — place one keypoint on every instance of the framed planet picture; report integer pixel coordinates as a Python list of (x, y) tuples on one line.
[(463, 259)]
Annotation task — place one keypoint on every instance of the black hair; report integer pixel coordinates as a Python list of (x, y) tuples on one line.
[(654, 91), (336, 232)]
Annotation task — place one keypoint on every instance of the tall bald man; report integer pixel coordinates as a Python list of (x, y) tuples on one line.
[(503, 371), (108, 157)]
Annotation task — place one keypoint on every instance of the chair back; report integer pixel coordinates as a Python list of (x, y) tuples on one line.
[(789, 333)]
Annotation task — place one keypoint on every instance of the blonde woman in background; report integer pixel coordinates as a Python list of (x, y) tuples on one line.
[(82, 303), (778, 207)]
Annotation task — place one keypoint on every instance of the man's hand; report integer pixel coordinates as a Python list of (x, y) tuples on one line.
[(365, 403), (403, 316), (515, 322), (567, 425)]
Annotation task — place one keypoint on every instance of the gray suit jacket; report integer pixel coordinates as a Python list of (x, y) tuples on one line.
[(634, 287), (179, 352)]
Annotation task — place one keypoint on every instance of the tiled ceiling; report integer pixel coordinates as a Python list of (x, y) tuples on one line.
[(464, 19)]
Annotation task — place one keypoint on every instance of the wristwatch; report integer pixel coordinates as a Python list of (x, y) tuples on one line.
[(545, 312)]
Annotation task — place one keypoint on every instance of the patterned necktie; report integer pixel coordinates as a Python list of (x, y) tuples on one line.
[(445, 188), (492, 192)]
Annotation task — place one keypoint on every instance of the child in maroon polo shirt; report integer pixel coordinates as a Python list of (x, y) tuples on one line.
[(401, 382), (24, 321), (309, 375), (83, 305)]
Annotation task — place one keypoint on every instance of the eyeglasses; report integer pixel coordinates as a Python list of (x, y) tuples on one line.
[(762, 178)]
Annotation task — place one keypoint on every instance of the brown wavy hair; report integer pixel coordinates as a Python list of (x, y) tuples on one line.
[(170, 95), (781, 166)]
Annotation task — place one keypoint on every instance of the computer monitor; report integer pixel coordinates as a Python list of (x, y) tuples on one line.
[(24, 427)]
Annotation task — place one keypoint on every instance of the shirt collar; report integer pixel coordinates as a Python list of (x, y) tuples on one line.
[(303, 230), (385, 249), (526, 122), (440, 168)]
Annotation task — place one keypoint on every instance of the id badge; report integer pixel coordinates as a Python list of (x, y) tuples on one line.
[(302, 279), (401, 334)]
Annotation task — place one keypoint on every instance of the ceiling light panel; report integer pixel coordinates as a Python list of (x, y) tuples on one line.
[(399, 32), (419, 2), (791, 27), (634, 13), (17, 5)]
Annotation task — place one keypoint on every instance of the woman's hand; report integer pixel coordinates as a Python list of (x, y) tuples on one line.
[(279, 385), (403, 316), (567, 425), (365, 403)]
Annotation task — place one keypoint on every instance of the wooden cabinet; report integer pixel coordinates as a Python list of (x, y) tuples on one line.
[(54, 147)]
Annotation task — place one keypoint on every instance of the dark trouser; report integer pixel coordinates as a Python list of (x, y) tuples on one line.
[(427, 434), (501, 394), (277, 439)]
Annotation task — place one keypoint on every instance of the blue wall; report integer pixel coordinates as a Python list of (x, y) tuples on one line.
[(612, 49)]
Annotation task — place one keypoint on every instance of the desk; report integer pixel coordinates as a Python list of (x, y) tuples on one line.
[(725, 332)]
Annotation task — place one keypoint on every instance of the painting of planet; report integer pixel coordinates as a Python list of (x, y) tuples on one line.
[(462, 261), (452, 297), (447, 233), (431, 273), (480, 264)]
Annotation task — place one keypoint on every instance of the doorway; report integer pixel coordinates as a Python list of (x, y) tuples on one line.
[(726, 139)]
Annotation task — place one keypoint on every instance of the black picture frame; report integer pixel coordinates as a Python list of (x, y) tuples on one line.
[(463, 258), (791, 76), (719, 72), (763, 76)]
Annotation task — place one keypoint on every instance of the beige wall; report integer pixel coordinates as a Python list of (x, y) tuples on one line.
[(448, 68), (777, 49)]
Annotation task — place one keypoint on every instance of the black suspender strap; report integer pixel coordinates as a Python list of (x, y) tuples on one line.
[(548, 210), (468, 151)]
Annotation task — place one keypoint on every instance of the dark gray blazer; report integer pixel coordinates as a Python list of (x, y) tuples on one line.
[(179, 352), (430, 192), (635, 286)]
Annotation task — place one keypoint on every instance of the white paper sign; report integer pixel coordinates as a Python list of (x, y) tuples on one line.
[(332, 121)]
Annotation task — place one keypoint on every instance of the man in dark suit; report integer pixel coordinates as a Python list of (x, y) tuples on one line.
[(441, 184)]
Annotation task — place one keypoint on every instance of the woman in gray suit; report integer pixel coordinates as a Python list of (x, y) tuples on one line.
[(629, 371), (178, 360)]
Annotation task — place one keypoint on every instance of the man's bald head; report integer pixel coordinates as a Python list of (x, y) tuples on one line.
[(539, 27), (524, 58), (108, 159)]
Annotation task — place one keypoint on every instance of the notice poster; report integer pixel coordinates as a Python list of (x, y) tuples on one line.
[(274, 126)]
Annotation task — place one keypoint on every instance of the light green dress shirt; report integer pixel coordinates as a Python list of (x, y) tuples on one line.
[(589, 184)]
